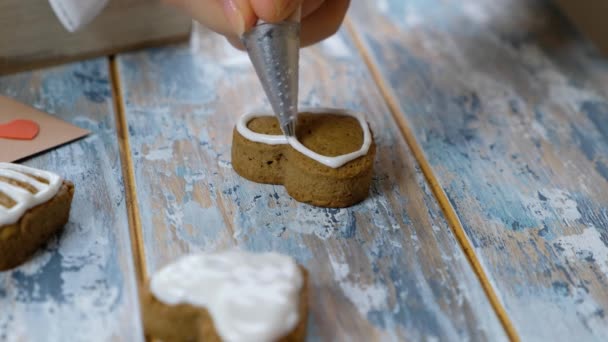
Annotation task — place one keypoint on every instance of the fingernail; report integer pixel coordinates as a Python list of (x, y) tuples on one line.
[(234, 15)]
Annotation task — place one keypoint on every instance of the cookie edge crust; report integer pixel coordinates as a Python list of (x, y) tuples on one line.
[(21, 240)]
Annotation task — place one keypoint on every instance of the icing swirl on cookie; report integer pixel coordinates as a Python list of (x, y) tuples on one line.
[(251, 297), (333, 162), (25, 200)]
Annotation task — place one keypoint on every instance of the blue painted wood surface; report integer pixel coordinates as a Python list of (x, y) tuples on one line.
[(387, 269), (511, 109), (81, 287)]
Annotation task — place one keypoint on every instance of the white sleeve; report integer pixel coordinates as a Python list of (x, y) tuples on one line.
[(74, 14)]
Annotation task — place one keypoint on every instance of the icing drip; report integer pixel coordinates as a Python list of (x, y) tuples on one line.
[(24, 199), (251, 297), (333, 162)]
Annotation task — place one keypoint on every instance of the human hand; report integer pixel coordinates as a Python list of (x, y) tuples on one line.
[(231, 18)]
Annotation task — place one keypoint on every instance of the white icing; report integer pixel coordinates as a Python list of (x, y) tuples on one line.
[(333, 162), (24, 199), (251, 297), (268, 139)]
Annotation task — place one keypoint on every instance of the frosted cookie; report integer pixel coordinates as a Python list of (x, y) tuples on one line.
[(328, 164), (34, 205), (233, 296)]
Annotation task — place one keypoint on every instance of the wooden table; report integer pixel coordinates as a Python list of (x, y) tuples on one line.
[(487, 218)]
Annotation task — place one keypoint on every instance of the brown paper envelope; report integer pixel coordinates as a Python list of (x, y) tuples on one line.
[(53, 132)]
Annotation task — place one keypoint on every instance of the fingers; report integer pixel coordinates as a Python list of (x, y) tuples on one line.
[(240, 14), (274, 10), (310, 6), (324, 21), (320, 18), (231, 18)]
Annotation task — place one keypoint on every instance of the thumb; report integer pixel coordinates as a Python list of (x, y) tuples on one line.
[(240, 15), (274, 10)]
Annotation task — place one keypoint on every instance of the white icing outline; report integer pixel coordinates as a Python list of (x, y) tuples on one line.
[(23, 198), (268, 139), (333, 162)]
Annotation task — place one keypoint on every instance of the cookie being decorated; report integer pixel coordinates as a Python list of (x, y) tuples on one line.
[(231, 296), (329, 163), (34, 205)]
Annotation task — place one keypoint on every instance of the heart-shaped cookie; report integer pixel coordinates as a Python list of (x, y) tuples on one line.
[(195, 298), (19, 129), (328, 164)]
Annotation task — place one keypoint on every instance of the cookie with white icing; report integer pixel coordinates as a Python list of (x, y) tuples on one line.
[(328, 164), (234, 296), (34, 205)]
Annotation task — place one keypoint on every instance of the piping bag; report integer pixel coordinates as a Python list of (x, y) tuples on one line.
[(75, 14), (274, 51)]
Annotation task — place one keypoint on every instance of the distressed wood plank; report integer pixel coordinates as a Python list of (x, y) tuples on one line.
[(81, 287), (31, 35), (509, 106), (387, 269)]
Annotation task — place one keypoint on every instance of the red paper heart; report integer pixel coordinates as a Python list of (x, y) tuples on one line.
[(19, 129)]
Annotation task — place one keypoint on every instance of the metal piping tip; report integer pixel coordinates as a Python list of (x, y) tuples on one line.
[(274, 50), (289, 129)]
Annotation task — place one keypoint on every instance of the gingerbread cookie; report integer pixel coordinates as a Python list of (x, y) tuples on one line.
[(34, 205), (229, 296), (328, 164)]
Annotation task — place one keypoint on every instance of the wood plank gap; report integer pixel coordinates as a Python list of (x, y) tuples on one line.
[(135, 227), (441, 197)]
